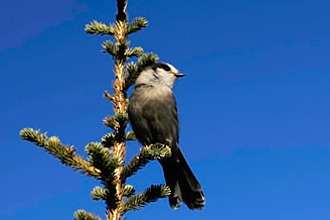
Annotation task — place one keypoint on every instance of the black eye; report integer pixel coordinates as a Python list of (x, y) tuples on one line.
[(166, 68)]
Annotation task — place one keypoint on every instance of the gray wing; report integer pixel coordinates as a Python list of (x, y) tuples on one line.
[(154, 118)]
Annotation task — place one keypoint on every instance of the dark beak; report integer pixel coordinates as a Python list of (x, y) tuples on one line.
[(178, 75)]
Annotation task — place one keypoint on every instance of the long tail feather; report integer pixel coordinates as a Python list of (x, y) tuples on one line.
[(183, 184)]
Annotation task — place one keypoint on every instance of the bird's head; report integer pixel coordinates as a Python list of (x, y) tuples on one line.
[(158, 74)]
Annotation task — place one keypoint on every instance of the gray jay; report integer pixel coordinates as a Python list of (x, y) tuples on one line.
[(153, 115)]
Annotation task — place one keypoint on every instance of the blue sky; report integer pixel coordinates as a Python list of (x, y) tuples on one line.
[(254, 108)]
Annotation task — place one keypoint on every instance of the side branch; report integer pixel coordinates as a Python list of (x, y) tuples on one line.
[(96, 27), (83, 215), (147, 153), (151, 194), (66, 154)]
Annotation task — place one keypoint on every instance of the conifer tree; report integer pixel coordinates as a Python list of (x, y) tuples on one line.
[(106, 159)]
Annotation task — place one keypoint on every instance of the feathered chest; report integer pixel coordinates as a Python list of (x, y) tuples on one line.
[(155, 96), (153, 115)]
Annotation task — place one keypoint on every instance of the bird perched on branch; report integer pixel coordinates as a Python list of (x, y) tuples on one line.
[(152, 112)]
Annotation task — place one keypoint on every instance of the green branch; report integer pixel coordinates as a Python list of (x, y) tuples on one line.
[(110, 122), (130, 136), (99, 193), (96, 27), (66, 154), (101, 158), (108, 140), (137, 24), (147, 153), (151, 194), (128, 191), (134, 52), (83, 215)]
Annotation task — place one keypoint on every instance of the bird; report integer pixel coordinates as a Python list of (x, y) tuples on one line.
[(152, 112)]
